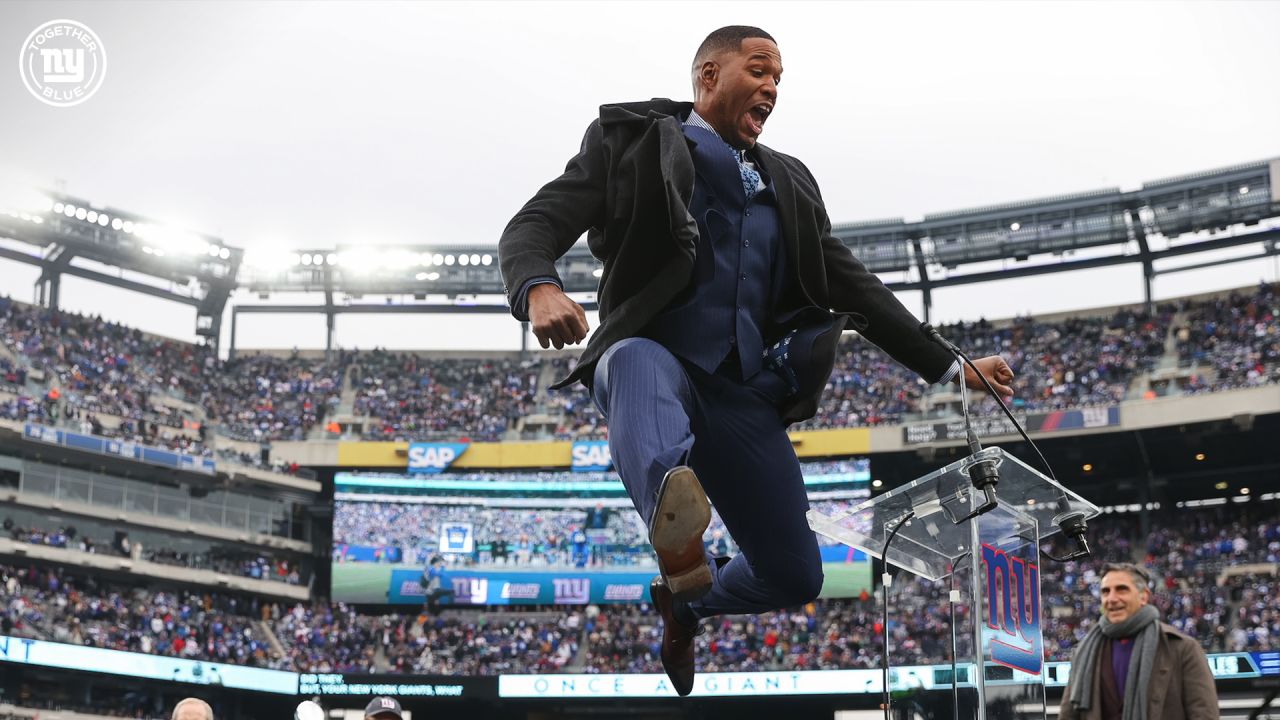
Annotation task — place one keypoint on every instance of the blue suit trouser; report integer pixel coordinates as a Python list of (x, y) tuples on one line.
[(664, 412)]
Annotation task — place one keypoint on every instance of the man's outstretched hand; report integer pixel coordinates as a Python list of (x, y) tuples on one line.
[(995, 369), (556, 319)]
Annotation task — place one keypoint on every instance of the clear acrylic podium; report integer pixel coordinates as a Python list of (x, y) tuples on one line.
[(992, 563)]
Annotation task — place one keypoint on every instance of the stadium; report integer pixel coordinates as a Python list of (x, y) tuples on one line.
[(262, 527), (273, 527)]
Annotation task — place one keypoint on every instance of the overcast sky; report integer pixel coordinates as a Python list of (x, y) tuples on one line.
[(286, 125)]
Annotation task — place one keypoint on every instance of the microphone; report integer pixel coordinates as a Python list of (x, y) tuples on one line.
[(984, 474), (1072, 524)]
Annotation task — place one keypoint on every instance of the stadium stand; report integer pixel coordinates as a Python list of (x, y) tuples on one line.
[(1196, 562), (86, 373), (414, 397)]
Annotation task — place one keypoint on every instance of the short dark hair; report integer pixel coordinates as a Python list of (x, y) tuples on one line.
[(729, 37), (1137, 572)]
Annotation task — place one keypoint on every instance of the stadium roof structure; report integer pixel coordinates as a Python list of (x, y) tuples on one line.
[(66, 235), (1200, 212)]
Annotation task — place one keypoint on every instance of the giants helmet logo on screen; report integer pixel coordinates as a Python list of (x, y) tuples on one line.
[(1013, 610)]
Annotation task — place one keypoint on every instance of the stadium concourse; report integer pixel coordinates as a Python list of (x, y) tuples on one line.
[(115, 554)]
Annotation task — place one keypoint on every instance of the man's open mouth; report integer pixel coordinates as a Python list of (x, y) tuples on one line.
[(757, 115)]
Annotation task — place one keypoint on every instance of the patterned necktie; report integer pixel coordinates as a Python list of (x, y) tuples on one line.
[(750, 178)]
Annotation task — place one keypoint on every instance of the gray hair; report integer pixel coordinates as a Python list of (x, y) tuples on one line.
[(1140, 576), (208, 711)]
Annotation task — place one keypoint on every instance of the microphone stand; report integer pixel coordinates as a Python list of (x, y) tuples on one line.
[(985, 475)]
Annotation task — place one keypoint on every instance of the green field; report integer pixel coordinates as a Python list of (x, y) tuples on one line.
[(845, 579), (363, 582)]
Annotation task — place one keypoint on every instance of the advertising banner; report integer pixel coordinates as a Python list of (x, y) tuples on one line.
[(997, 425), (590, 456), (91, 659), (398, 686), (496, 587), (107, 446), (433, 457)]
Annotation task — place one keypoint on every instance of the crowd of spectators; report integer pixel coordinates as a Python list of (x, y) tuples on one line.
[(62, 367), (46, 603), (421, 398), (102, 367), (1214, 574), (324, 638), (866, 388), (1074, 362), (267, 397), (1235, 339), (1256, 625), (483, 645), (525, 537), (227, 560), (580, 418)]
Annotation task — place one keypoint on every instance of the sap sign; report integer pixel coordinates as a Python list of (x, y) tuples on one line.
[(591, 456), (433, 457)]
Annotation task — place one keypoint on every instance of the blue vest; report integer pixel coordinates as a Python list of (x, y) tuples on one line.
[(738, 270)]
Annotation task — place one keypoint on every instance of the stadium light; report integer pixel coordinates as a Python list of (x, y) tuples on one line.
[(1015, 226), (1087, 467), (1244, 189), (486, 259), (598, 272), (438, 259), (81, 213), (331, 259), (116, 224), (433, 276), (448, 259), (91, 216), (1199, 456), (420, 276), (464, 260), (1244, 491)]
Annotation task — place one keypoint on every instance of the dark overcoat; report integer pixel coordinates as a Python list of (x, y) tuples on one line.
[(629, 189)]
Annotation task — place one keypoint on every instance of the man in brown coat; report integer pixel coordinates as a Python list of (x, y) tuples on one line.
[(1131, 666)]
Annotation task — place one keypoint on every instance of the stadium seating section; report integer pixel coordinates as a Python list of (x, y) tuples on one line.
[(106, 379), (1214, 571)]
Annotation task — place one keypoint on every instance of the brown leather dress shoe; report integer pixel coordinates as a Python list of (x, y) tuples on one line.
[(681, 515), (677, 639)]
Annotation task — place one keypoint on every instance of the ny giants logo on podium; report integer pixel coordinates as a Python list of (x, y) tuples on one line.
[(1013, 610)]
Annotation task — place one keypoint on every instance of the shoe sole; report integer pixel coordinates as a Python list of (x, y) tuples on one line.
[(682, 515)]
